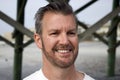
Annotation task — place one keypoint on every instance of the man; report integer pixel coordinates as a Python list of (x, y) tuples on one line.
[(56, 35)]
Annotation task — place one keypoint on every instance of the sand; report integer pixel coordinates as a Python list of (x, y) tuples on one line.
[(92, 59)]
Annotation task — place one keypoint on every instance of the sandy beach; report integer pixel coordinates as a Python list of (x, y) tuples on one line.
[(92, 59)]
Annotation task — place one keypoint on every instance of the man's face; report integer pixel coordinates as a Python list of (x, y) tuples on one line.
[(59, 39)]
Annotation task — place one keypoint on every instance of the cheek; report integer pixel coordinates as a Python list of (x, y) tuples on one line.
[(75, 41), (49, 43)]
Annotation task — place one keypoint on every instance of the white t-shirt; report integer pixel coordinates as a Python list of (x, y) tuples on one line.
[(38, 75)]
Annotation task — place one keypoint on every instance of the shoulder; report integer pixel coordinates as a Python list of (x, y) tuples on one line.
[(38, 75), (33, 76), (87, 77), (84, 76)]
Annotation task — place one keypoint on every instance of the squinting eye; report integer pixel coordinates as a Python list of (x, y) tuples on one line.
[(54, 33), (72, 33)]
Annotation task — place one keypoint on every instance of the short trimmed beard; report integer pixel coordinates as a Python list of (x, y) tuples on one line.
[(56, 62)]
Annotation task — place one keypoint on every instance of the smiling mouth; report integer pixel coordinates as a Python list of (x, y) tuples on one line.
[(63, 50)]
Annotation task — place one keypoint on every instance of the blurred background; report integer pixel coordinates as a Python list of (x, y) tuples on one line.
[(94, 50)]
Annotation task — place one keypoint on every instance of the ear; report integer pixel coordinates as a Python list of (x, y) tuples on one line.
[(38, 41)]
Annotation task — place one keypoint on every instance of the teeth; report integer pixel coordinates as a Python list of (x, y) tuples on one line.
[(62, 51)]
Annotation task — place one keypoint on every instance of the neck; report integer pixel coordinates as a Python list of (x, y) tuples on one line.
[(58, 73)]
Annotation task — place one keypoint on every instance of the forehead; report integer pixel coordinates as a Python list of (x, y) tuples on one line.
[(58, 19), (49, 15)]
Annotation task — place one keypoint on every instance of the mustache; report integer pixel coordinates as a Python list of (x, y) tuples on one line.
[(66, 47)]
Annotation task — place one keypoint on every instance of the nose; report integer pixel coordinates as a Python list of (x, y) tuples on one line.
[(64, 39)]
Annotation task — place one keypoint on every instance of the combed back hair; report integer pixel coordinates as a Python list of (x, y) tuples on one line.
[(54, 7)]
